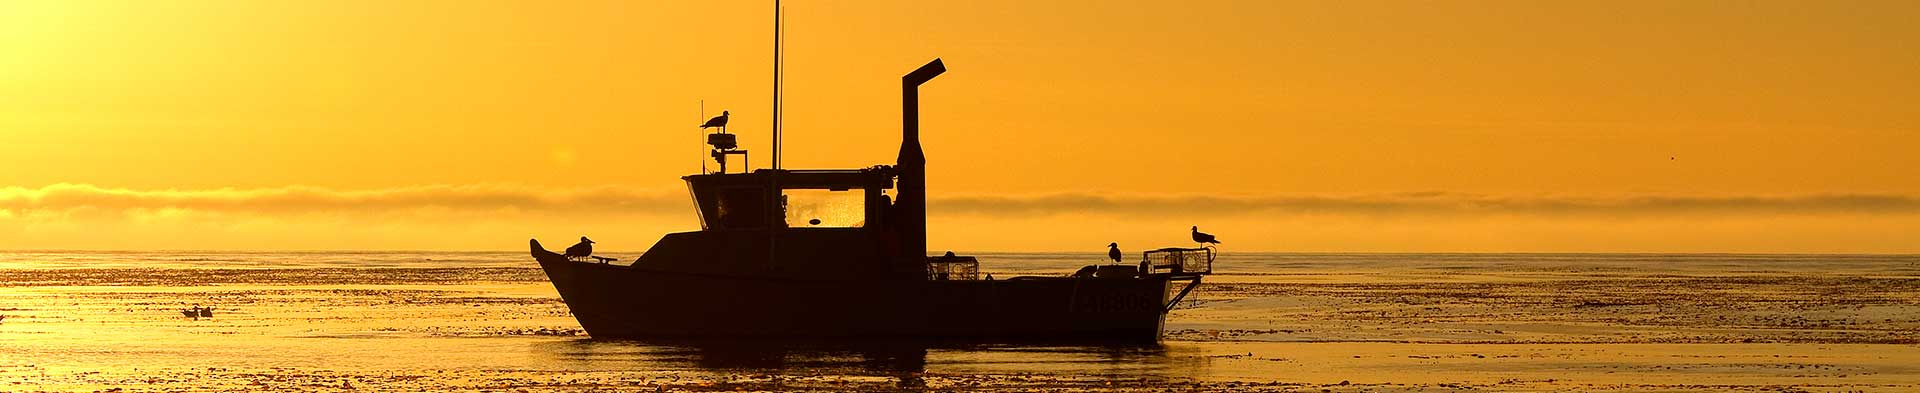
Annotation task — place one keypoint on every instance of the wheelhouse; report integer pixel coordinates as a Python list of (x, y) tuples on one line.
[(792, 199)]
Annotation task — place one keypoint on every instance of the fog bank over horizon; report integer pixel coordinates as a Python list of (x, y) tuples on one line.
[(502, 216)]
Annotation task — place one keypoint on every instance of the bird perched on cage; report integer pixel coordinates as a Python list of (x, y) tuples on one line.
[(582, 250), (1202, 237), (717, 121), (1113, 252)]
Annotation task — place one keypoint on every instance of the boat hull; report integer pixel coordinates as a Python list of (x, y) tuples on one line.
[(614, 301)]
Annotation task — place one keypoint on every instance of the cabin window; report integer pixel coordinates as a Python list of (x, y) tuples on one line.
[(699, 209), (741, 208), (826, 208)]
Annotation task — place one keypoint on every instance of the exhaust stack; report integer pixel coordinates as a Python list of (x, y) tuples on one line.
[(911, 205)]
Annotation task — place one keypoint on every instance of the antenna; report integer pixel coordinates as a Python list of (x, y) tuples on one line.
[(703, 137), (780, 113), (776, 84)]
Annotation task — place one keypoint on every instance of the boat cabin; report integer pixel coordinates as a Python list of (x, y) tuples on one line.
[(780, 198), (796, 199), (792, 224)]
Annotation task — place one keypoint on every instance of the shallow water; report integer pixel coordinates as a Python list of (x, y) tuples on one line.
[(303, 321)]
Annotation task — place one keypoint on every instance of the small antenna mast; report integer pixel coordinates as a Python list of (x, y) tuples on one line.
[(703, 137), (776, 84)]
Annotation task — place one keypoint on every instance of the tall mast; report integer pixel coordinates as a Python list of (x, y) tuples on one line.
[(775, 198), (776, 84)]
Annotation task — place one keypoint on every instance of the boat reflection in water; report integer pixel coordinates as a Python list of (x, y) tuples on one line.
[(765, 265), (904, 363), (881, 357)]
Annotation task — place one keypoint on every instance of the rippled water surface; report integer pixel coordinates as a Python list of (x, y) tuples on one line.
[(401, 321)]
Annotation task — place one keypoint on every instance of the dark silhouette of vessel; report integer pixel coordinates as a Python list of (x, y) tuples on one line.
[(756, 269)]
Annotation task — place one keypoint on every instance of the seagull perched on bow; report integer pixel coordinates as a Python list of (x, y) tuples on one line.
[(716, 121), (1202, 237), (1113, 252), (582, 250)]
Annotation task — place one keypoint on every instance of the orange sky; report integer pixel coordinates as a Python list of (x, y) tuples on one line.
[(1308, 126)]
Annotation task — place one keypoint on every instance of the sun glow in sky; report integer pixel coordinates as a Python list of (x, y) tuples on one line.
[(1289, 126)]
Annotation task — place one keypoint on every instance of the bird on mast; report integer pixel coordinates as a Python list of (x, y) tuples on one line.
[(717, 121)]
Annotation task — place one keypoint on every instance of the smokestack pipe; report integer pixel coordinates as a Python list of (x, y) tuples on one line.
[(911, 205)]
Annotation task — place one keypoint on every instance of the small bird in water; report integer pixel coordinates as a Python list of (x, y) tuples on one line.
[(584, 249), (1113, 252), (198, 312), (716, 121), (1202, 237)]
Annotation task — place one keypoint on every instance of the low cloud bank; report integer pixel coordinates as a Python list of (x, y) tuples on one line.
[(497, 217), (303, 199), (618, 200), (1434, 203)]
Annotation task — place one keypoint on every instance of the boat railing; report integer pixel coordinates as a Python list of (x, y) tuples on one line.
[(1177, 261), (953, 268)]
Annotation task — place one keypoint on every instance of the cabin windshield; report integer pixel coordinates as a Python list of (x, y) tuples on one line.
[(741, 207), (825, 208), (852, 198)]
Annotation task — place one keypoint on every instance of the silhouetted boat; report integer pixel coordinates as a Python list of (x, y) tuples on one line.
[(757, 269)]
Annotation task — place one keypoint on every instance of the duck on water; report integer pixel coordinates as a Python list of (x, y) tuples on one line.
[(758, 267), (197, 312)]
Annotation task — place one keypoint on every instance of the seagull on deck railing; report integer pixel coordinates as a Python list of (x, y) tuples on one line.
[(1113, 252), (1201, 237), (582, 250), (716, 121)]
